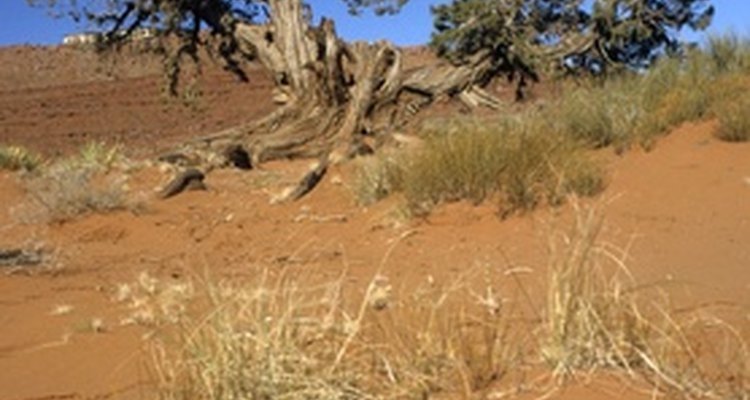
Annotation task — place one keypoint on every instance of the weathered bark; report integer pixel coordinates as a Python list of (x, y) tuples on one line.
[(333, 94)]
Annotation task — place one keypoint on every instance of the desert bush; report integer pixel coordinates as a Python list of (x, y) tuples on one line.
[(16, 158), (376, 177), (520, 160), (85, 183), (60, 193), (599, 115), (636, 107)]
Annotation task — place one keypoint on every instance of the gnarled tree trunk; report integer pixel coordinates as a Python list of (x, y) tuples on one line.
[(332, 94)]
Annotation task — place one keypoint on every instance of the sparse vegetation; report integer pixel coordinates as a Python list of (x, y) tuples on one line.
[(280, 338), (523, 161), (77, 185), (596, 320), (62, 193), (537, 156), (153, 302), (474, 332), (276, 337), (14, 158), (98, 156), (729, 53), (635, 108), (591, 319)]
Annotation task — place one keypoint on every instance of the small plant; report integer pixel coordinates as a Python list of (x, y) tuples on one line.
[(88, 182), (98, 156), (14, 158), (153, 302), (60, 192), (376, 178)]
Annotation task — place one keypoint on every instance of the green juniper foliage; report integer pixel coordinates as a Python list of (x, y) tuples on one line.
[(524, 36)]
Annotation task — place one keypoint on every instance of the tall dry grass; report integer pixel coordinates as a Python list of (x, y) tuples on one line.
[(281, 337), (599, 318), (286, 337)]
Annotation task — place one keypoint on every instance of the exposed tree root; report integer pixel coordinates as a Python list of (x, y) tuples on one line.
[(189, 179), (334, 94)]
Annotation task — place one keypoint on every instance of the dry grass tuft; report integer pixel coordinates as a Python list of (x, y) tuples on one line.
[(268, 340), (376, 177), (61, 193), (591, 319), (99, 155), (596, 320), (153, 302), (449, 338)]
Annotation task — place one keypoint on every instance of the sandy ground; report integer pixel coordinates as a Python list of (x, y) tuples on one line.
[(681, 210)]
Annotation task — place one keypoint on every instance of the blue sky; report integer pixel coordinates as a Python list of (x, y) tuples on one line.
[(412, 26)]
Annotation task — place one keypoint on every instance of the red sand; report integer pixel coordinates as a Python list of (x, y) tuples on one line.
[(684, 207)]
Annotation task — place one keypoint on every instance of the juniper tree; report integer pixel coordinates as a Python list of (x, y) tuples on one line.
[(524, 37), (333, 94)]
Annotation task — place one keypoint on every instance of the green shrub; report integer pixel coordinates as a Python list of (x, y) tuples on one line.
[(16, 158), (601, 115), (523, 162), (99, 156)]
